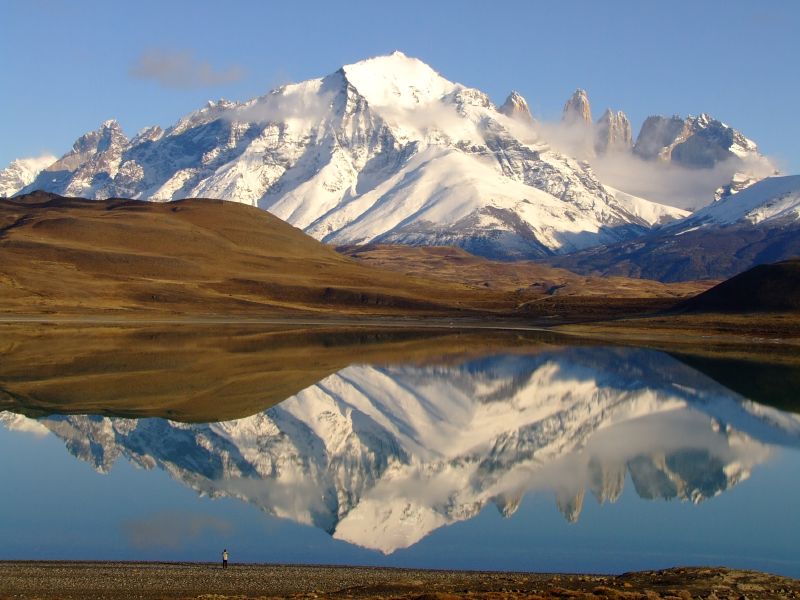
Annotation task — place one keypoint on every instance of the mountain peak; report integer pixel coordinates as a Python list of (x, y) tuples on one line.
[(397, 80), (110, 124), (516, 107), (612, 132), (577, 108), (696, 142)]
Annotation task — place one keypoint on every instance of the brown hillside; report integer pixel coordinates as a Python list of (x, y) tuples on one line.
[(765, 288), (528, 277), (197, 256), (208, 257)]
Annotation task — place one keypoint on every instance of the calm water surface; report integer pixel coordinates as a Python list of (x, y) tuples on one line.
[(549, 458)]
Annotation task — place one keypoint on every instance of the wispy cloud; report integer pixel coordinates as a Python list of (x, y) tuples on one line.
[(290, 102), (181, 70), (172, 529), (663, 182)]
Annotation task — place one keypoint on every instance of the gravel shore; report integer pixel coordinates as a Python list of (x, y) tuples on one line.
[(115, 581)]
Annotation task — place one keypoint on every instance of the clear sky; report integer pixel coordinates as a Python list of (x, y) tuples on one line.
[(68, 66)]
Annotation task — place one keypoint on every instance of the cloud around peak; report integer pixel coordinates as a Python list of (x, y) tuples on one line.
[(181, 70)]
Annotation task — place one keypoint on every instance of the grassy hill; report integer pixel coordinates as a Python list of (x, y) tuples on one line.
[(208, 257), (765, 288), (192, 256)]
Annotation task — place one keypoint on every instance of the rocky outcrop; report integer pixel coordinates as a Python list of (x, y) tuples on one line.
[(90, 167), (695, 142), (577, 109), (612, 132), (516, 107)]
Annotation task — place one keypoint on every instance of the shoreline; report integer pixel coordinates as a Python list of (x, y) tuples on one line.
[(150, 580), (764, 330)]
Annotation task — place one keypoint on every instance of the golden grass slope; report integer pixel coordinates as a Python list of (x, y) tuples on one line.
[(523, 277), (67, 256)]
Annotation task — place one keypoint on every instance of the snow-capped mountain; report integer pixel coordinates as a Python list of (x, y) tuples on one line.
[(698, 142), (760, 224), (770, 201), (382, 456), (686, 162), (384, 150), (702, 143), (22, 172)]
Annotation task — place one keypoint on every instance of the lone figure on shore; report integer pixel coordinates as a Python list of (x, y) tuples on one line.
[(225, 558)]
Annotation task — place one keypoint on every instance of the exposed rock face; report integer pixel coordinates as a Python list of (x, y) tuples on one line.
[(516, 107), (697, 142), (658, 135), (577, 109), (612, 132), (91, 165)]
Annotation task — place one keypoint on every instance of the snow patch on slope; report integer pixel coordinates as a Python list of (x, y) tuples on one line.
[(771, 199)]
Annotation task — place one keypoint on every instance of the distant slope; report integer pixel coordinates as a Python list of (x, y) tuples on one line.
[(774, 287), (197, 256), (456, 265), (210, 257), (759, 225)]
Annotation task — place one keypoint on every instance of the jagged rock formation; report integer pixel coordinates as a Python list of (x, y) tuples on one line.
[(387, 150), (516, 107), (612, 133), (577, 109), (696, 142)]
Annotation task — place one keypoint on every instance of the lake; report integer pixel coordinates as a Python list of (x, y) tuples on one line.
[(521, 451)]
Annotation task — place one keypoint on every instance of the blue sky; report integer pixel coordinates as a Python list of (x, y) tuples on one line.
[(68, 66)]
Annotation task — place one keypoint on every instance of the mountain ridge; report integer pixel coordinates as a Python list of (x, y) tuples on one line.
[(758, 225), (385, 150)]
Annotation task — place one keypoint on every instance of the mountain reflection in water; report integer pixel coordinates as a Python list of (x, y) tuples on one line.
[(380, 456)]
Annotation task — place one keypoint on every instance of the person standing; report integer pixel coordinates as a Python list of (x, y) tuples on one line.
[(225, 558)]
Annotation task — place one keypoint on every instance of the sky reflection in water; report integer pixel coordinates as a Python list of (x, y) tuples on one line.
[(568, 458)]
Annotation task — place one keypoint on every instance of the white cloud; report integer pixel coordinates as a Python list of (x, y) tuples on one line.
[(658, 181), (291, 102), (671, 184), (181, 70)]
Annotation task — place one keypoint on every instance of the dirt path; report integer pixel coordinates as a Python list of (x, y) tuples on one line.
[(115, 581)]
